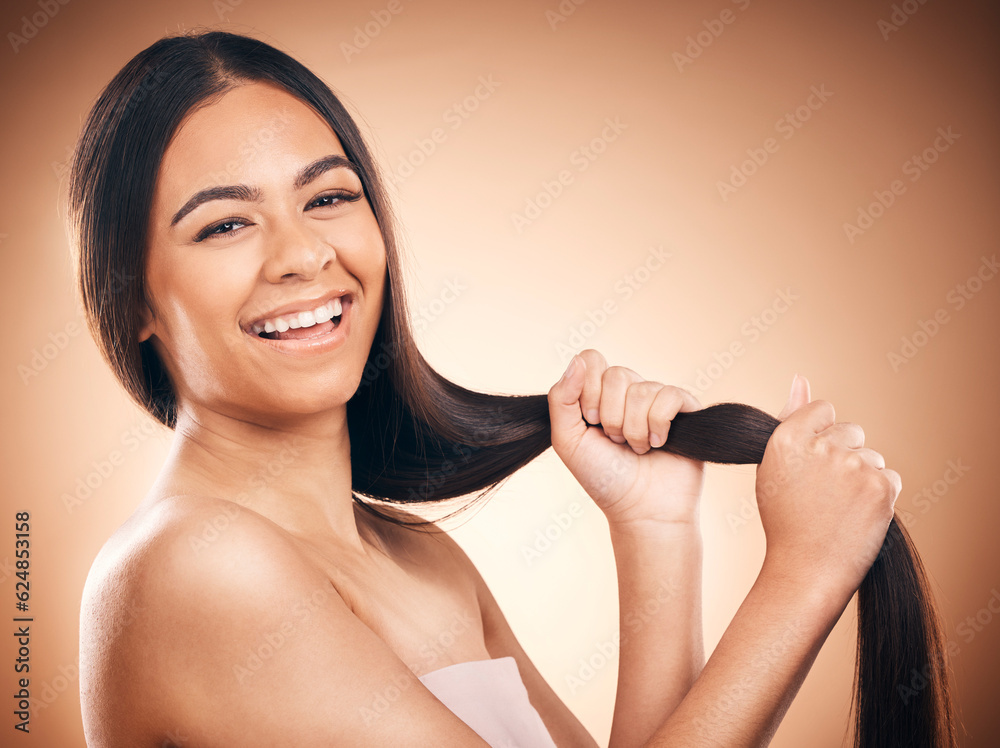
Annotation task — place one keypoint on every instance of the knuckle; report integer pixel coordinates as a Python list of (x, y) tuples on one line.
[(783, 431), (784, 436), (894, 480), (825, 409), (617, 375), (854, 461), (851, 428), (818, 446), (675, 396), (877, 484), (876, 457), (645, 389), (594, 358), (634, 434)]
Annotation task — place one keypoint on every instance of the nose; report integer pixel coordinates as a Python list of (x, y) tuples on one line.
[(295, 250)]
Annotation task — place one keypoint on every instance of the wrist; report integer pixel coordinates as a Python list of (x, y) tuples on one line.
[(820, 591), (653, 530)]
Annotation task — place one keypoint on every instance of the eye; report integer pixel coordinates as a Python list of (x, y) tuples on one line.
[(228, 226), (331, 199)]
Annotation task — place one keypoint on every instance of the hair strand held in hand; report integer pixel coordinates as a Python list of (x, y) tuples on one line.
[(900, 643)]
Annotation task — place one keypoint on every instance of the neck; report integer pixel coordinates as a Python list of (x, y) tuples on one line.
[(297, 474)]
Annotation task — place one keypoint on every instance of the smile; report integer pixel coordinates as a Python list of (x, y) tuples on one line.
[(275, 327), (314, 330)]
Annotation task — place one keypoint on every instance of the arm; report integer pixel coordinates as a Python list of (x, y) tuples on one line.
[(662, 653), (757, 668), (650, 498), (825, 503)]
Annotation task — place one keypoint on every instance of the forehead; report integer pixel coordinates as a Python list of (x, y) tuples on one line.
[(255, 132)]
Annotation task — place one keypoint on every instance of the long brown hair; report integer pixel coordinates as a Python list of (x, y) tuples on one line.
[(417, 437)]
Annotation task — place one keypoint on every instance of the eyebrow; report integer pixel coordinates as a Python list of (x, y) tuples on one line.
[(242, 192)]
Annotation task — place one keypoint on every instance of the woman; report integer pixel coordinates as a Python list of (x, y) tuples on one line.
[(239, 268)]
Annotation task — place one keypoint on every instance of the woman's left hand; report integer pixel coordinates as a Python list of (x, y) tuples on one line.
[(615, 464)]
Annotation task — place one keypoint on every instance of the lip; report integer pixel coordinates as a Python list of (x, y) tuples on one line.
[(300, 306), (330, 340)]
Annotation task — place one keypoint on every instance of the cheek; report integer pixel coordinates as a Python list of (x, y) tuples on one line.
[(376, 251), (378, 280), (363, 253), (198, 302)]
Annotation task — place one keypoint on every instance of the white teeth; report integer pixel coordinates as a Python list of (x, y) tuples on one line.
[(321, 314), (324, 313)]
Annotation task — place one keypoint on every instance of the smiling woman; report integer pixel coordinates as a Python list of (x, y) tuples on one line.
[(229, 183), (248, 283), (252, 219)]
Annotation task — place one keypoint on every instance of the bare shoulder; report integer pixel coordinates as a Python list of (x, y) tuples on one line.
[(167, 570), (202, 624)]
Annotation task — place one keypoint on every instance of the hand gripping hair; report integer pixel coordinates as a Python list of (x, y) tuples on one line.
[(901, 696)]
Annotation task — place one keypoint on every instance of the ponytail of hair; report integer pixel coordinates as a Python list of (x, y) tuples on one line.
[(442, 441)]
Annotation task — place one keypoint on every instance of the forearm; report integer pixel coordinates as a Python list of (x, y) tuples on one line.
[(757, 668), (662, 651)]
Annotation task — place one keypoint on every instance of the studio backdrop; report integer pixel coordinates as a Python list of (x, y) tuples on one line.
[(715, 194)]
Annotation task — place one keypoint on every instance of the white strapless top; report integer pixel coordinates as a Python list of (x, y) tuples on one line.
[(489, 696)]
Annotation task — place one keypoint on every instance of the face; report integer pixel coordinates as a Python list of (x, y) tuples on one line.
[(260, 231)]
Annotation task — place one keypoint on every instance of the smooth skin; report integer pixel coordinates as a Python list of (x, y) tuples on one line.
[(253, 607)]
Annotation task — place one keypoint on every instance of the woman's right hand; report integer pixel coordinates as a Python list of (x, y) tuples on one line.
[(825, 499)]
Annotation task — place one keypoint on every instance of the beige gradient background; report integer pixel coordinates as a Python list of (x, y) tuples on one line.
[(527, 292)]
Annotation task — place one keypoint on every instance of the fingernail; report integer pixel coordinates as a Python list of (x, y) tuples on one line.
[(655, 440), (592, 416), (569, 369)]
